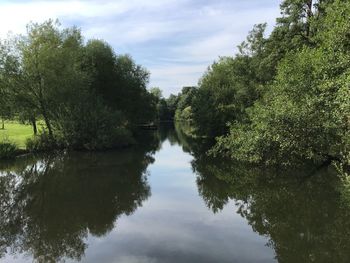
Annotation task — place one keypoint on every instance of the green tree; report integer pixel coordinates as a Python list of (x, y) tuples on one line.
[(87, 96), (225, 91), (305, 112), (9, 67), (156, 92), (172, 103), (49, 68), (132, 96), (184, 102)]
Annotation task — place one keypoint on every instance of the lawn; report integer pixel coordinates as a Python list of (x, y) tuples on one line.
[(16, 132)]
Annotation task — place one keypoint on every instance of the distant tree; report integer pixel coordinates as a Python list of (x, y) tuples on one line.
[(225, 91), (186, 97), (172, 102), (156, 92), (164, 112)]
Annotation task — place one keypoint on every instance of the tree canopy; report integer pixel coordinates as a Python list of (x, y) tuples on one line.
[(284, 98), (87, 95)]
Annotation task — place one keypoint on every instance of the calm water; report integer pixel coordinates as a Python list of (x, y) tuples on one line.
[(165, 201)]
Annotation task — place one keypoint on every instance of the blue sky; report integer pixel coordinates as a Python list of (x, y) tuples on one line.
[(176, 40)]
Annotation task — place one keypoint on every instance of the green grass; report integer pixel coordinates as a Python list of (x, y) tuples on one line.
[(16, 132)]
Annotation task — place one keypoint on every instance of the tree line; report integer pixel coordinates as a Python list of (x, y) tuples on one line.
[(87, 96), (283, 98)]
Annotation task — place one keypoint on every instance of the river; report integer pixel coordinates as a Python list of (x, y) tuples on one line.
[(166, 201)]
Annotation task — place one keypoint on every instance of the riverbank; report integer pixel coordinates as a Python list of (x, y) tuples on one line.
[(18, 139), (13, 138), (17, 133)]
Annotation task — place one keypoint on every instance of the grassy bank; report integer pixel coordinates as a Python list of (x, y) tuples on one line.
[(16, 133)]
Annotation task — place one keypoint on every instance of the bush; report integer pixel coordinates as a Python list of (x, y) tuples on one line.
[(8, 150), (90, 125), (42, 143)]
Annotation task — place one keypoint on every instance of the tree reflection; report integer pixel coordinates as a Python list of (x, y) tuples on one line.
[(304, 213), (49, 205)]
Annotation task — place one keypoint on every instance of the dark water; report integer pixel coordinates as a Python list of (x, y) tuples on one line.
[(165, 201)]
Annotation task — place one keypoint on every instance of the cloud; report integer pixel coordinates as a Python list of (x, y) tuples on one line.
[(175, 39), (171, 77)]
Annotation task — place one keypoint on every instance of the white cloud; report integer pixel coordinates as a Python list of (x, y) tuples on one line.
[(15, 15), (172, 77), (160, 34)]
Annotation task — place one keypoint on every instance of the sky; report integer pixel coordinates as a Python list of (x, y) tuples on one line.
[(176, 40)]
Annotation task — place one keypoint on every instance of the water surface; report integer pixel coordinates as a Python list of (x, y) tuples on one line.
[(166, 201)]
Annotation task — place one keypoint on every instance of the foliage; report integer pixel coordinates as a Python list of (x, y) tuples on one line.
[(87, 96), (183, 106), (230, 86), (119, 81), (134, 99), (286, 98), (91, 125), (287, 125), (172, 102), (8, 149), (6, 63), (49, 68), (171, 108), (43, 143), (162, 113)]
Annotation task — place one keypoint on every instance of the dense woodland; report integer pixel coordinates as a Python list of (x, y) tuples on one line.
[(87, 96), (283, 98)]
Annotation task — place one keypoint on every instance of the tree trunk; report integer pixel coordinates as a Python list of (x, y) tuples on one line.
[(3, 124), (35, 130), (48, 125), (46, 119), (309, 15)]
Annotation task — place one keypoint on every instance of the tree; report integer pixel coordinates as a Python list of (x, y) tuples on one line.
[(304, 114), (8, 68), (5, 109), (172, 102), (225, 91), (87, 96), (131, 94), (297, 15), (156, 92), (49, 69)]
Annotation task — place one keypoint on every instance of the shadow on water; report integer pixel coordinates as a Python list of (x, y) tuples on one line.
[(49, 204), (306, 219)]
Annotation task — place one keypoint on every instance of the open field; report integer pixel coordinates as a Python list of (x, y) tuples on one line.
[(16, 132)]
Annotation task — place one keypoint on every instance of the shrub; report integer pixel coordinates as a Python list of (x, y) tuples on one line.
[(42, 143), (90, 125), (8, 150)]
